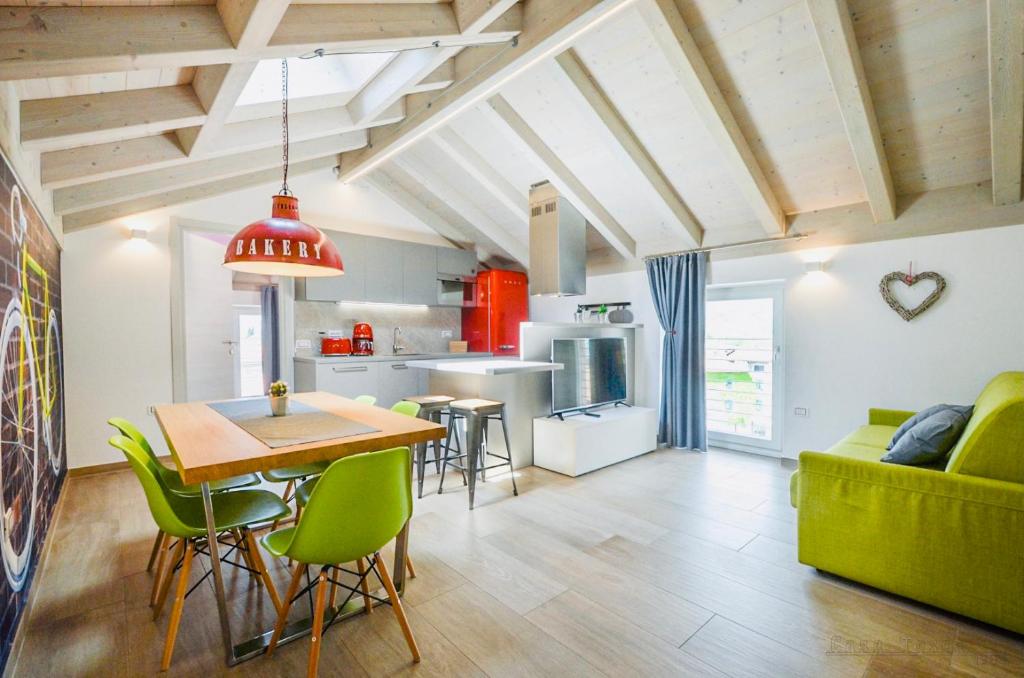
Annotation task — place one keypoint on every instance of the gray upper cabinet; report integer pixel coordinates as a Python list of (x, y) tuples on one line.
[(419, 274), (387, 271), (384, 281), (451, 261), (348, 287)]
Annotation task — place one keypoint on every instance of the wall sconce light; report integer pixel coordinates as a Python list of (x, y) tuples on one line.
[(814, 267), (138, 234)]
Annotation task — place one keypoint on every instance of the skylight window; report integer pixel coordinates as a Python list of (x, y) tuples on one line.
[(312, 77)]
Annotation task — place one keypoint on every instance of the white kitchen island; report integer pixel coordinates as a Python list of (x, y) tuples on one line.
[(523, 385)]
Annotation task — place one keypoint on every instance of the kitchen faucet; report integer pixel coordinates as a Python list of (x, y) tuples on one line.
[(397, 348)]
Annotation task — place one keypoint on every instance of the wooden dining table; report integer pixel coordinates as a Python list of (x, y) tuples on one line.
[(208, 446)]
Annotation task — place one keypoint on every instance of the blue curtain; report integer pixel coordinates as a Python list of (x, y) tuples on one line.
[(677, 287), (270, 337)]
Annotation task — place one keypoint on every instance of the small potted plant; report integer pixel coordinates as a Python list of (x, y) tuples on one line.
[(278, 398)]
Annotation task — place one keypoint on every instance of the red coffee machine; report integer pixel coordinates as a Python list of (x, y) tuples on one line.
[(362, 339)]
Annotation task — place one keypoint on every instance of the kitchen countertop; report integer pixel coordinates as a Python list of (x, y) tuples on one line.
[(332, 360), (488, 366)]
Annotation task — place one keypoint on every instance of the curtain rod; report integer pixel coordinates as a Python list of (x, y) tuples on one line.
[(762, 241)]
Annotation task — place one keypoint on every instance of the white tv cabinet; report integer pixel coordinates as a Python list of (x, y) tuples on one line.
[(581, 444)]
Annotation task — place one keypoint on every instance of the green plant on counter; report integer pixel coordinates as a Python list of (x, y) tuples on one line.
[(279, 388)]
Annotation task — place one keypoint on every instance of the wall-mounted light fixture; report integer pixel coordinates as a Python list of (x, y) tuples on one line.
[(138, 234), (814, 266)]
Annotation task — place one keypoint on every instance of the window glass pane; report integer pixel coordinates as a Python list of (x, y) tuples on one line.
[(739, 364), (250, 354)]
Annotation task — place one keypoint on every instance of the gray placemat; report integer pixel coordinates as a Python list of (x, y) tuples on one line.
[(302, 424)]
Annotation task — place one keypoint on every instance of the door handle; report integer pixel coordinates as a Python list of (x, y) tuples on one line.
[(506, 347), (399, 366), (357, 368), (231, 346)]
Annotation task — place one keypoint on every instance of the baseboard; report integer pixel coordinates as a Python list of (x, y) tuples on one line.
[(103, 468)]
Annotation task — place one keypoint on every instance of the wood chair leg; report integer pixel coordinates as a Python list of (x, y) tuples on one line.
[(409, 567), (165, 585), (396, 605), (365, 585), (261, 568), (158, 575), (316, 633), (157, 550), (334, 594), (285, 498), (179, 603), (286, 605)]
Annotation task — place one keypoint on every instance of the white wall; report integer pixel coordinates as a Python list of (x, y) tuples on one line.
[(846, 350), (117, 337), (116, 301)]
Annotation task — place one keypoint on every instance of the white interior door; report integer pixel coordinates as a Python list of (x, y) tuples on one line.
[(211, 334), (744, 367)]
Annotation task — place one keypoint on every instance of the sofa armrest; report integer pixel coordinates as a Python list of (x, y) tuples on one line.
[(882, 417)]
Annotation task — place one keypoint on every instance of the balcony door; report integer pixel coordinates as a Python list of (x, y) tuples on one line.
[(744, 367)]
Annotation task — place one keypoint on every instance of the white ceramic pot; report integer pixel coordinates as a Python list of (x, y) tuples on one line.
[(279, 405)]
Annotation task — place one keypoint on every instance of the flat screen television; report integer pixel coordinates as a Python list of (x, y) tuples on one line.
[(594, 374)]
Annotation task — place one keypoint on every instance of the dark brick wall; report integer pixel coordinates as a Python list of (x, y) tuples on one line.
[(17, 472)]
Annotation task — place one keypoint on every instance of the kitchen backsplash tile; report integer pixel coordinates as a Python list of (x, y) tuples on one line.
[(422, 328)]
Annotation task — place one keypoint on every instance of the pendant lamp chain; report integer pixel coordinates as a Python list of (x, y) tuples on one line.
[(284, 124)]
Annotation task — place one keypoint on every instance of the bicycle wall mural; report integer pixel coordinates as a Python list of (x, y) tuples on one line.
[(32, 452)]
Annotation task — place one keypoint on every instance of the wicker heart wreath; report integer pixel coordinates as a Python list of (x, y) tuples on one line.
[(909, 314)]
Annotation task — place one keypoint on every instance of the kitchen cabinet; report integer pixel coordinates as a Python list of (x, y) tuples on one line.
[(387, 271), (419, 274), (348, 287), (349, 380), (384, 280), (454, 262), (395, 380)]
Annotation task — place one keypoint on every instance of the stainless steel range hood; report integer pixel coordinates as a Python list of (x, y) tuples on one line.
[(558, 244)]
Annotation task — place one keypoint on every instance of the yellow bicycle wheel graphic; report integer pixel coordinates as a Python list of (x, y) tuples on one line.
[(53, 392), (19, 446)]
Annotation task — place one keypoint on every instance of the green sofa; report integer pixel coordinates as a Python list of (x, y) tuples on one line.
[(951, 536)]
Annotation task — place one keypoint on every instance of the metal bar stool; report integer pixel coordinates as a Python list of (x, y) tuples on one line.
[(477, 413), (431, 409)]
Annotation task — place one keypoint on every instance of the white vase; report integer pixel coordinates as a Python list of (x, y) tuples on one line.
[(279, 405)]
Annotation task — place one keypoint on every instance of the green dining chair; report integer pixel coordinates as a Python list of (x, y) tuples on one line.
[(183, 518), (303, 491), (173, 481), (373, 492), (292, 474)]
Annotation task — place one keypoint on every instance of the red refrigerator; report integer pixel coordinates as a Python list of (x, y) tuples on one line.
[(492, 325)]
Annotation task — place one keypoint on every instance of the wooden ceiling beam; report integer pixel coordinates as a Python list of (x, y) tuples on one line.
[(1006, 97), (40, 42), (440, 78), (218, 87), (409, 68), (141, 184), (82, 220), (674, 40), (466, 157), (474, 16), (427, 212), (66, 122), (105, 161), (838, 42), (509, 123), (547, 29), (685, 224), (251, 24), (482, 222)]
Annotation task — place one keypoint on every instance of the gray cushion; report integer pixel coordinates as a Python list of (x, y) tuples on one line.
[(931, 439), (921, 416)]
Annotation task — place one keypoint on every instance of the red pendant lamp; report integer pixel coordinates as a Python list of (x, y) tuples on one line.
[(282, 244)]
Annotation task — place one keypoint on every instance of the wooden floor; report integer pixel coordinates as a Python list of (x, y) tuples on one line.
[(671, 564)]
